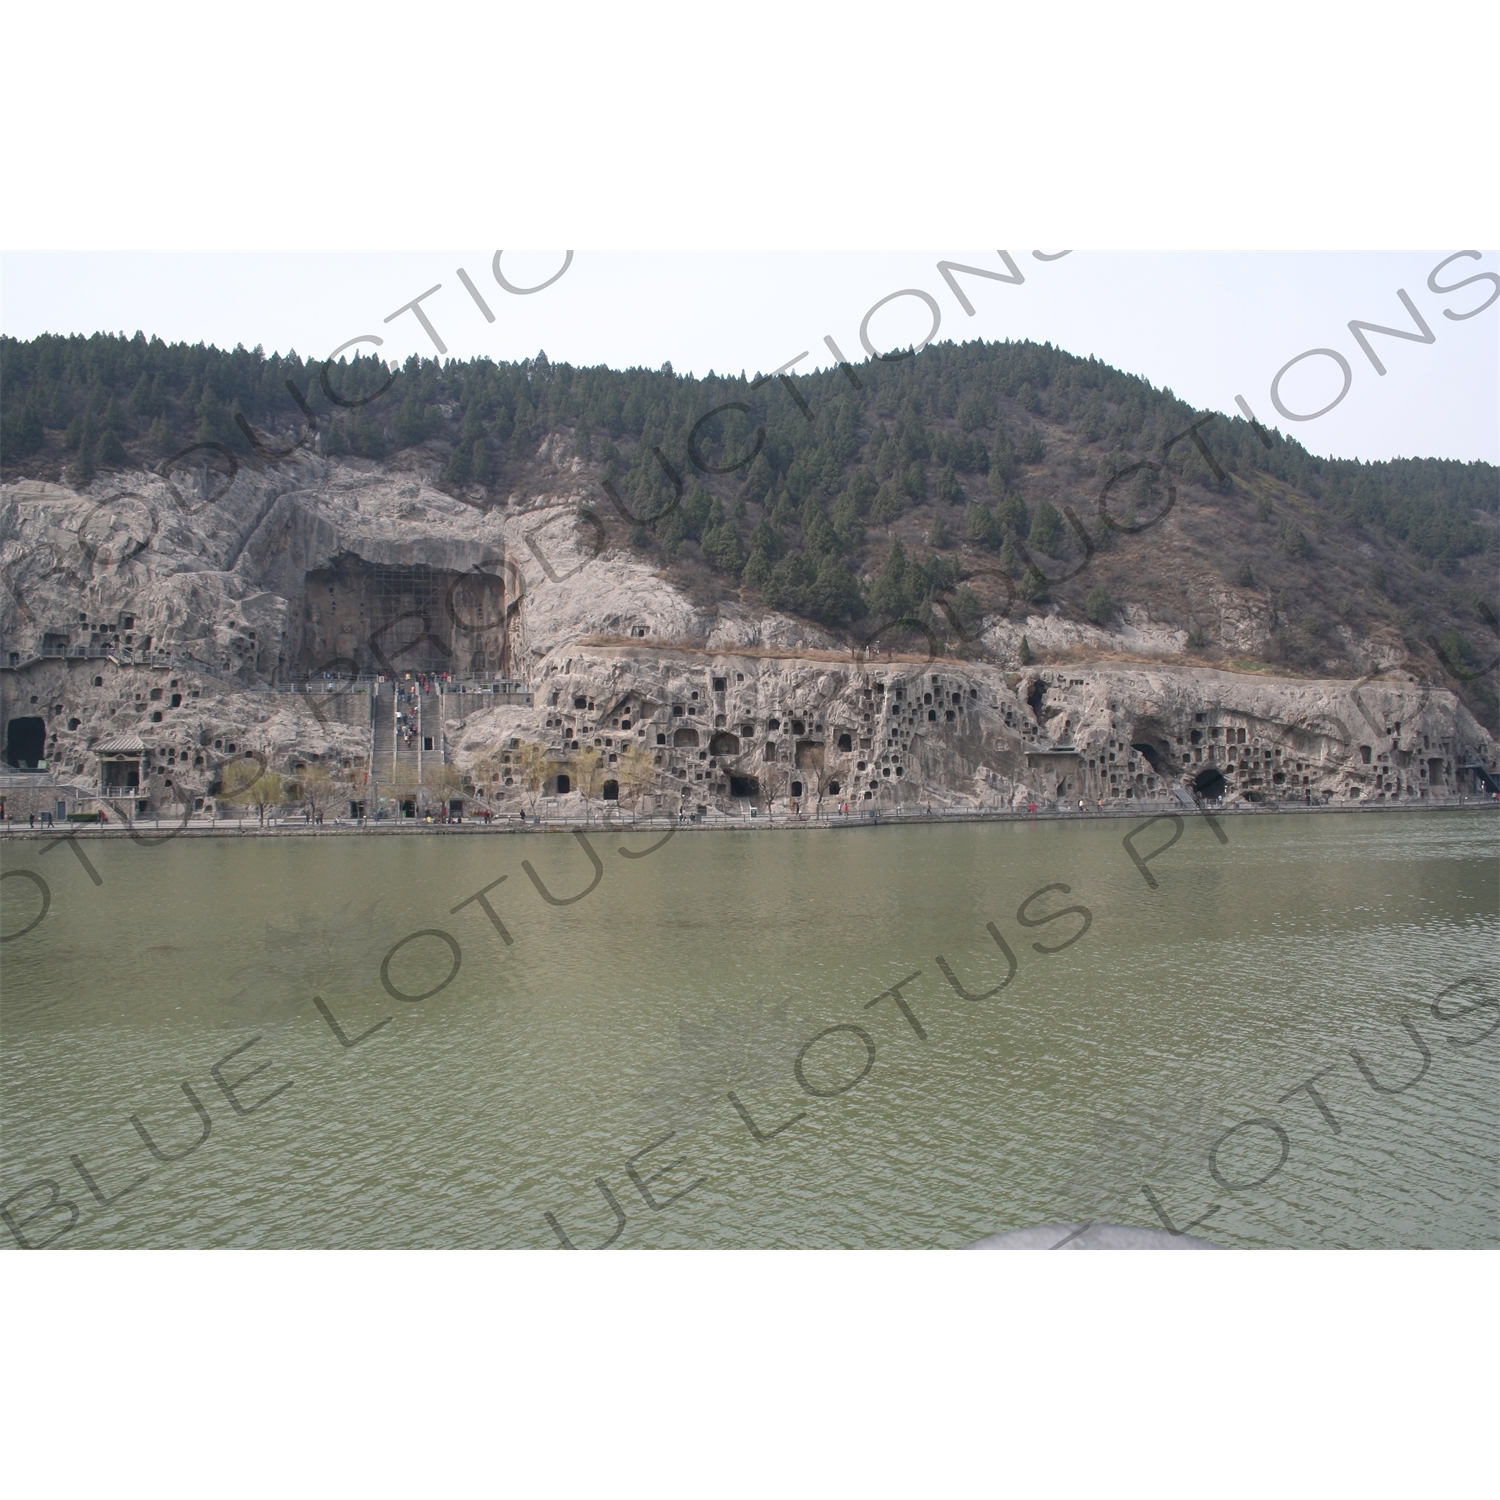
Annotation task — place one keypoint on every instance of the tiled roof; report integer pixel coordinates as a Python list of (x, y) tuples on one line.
[(120, 744)]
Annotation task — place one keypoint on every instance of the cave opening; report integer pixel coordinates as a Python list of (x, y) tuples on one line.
[(744, 786), (1210, 783), (376, 617), (1153, 755), (1034, 696), (25, 742)]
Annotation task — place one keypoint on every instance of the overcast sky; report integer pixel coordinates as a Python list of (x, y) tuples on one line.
[(1211, 325)]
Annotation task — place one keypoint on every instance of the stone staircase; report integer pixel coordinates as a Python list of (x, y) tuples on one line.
[(405, 747)]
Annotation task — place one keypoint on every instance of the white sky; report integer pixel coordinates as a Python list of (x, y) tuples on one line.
[(1211, 325)]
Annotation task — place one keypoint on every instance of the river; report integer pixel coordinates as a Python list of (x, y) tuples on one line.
[(568, 1075)]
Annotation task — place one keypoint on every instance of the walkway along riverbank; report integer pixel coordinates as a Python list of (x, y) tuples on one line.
[(155, 833)]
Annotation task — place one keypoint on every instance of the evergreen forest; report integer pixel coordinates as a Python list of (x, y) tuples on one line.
[(856, 493)]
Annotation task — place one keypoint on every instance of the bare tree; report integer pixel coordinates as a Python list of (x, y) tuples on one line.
[(405, 783), (320, 789), (250, 783), (534, 765), (637, 773), (587, 766), (442, 781), (488, 776), (773, 776)]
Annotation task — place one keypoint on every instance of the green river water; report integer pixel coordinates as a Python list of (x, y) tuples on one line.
[(1098, 1084)]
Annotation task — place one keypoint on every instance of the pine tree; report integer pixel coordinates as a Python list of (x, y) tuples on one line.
[(1003, 465), (21, 435), (1046, 528), (1104, 533), (890, 596), (835, 595), (140, 397), (1011, 516), (1024, 654), (767, 539), (758, 480), (862, 489), (1033, 585), (672, 531), (974, 412), (698, 510), (887, 505), (847, 522), (81, 470), (818, 537), (757, 572), (724, 549), (966, 607), (983, 528)]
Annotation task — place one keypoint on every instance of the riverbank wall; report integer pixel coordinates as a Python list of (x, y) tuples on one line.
[(153, 834)]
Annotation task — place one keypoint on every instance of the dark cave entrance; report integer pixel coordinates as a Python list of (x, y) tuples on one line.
[(1210, 783), (1151, 754), (25, 742)]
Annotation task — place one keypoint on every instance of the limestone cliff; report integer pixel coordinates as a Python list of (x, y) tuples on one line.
[(195, 614)]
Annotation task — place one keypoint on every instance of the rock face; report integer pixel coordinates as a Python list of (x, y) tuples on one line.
[(190, 617)]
